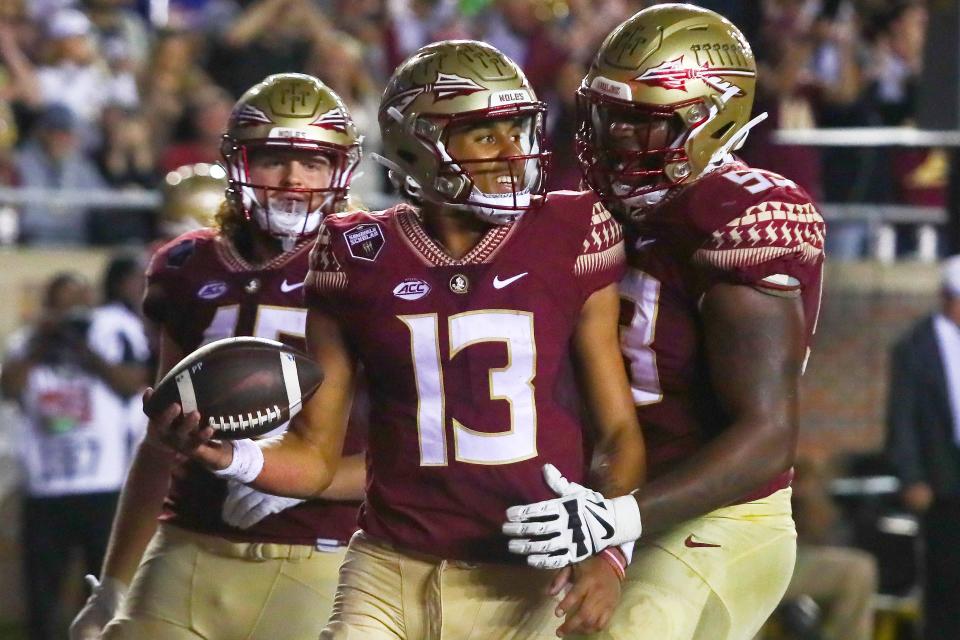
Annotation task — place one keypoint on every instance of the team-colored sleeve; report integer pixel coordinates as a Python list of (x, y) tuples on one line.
[(155, 303), (163, 276), (326, 279), (601, 259), (773, 245)]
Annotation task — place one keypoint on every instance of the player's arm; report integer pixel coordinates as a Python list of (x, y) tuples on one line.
[(141, 499), (350, 480), (605, 387), (302, 462), (754, 343), (135, 520)]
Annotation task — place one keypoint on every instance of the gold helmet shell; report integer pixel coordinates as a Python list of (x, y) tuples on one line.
[(683, 64), (454, 83), (297, 112), (192, 194)]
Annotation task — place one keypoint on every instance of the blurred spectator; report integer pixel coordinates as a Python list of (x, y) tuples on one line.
[(923, 442), (17, 78), (368, 21), (269, 36), (76, 75), (839, 578), (127, 156), (52, 158), (414, 23), (897, 61), (339, 63), (515, 28), (174, 77), (127, 161), (41, 8), (118, 26), (71, 372), (205, 120)]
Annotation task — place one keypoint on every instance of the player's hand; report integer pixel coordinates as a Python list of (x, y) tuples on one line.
[(184, 434), (590, 602), (99, 609), (571, 528), (245, 506)]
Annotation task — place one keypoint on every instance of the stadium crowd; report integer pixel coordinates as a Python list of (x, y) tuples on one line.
[(111, 94)]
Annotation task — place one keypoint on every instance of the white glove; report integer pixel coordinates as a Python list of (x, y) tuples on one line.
[(245, 506), (99, 609), (578, 524)]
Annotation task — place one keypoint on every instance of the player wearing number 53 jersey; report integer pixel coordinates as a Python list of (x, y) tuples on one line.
[(720, 302), (470, 313), (227, 561)]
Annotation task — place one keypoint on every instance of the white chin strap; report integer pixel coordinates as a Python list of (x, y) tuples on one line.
[(287, 218), (515, 200)]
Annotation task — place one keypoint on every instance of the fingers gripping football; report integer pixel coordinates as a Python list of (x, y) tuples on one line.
[(572, 527), (171, 429)]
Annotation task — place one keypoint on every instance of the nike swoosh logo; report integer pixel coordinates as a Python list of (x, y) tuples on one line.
[(607, 529), (500, 284), (693, 544), (287, 288)]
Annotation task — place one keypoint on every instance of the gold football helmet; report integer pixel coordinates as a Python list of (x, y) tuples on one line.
[(191, 197), (292, 112), (668, 96), (451, 85)]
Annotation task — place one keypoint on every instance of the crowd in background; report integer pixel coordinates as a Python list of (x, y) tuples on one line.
[(115, 93)]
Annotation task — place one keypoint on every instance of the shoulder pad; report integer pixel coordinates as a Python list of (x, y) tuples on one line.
[(765, 232)]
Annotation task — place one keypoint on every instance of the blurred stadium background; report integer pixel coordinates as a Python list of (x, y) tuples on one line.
[(101, 99)]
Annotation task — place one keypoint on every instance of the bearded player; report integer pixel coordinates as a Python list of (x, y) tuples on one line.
[(720, 302), (477, 312), (228, 561)]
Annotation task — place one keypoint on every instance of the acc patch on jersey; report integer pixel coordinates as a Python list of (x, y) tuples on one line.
[(365, 241)]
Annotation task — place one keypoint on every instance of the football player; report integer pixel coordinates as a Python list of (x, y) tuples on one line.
[(228, 561), (477, 311), (719, 304)]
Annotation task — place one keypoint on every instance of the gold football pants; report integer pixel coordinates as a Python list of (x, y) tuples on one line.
[(717, 577), (385, 594), (192, 586)]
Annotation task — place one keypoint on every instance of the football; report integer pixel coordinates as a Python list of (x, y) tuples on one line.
[(242, 387)]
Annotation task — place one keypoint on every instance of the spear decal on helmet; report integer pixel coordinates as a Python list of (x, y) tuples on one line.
[(446, 87), (332, 120), (672, 74)]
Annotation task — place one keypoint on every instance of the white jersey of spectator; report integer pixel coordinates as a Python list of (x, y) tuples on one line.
[(77, 431), (87, 89)]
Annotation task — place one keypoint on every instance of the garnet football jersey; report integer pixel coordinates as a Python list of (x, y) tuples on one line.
[(199, 290), (467, 361), (738, 225)]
